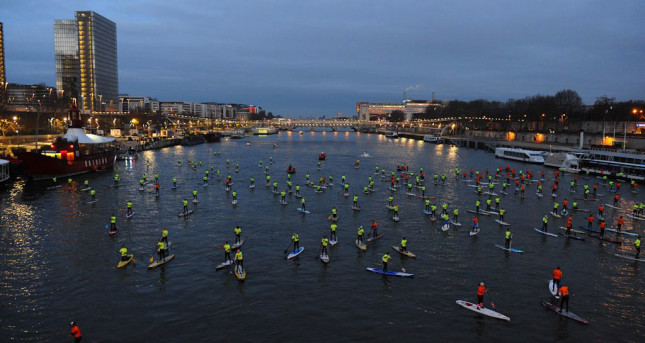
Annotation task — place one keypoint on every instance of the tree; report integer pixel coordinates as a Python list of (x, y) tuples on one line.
[(396, 116)]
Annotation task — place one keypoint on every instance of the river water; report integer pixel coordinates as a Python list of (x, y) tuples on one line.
[(59, 264)]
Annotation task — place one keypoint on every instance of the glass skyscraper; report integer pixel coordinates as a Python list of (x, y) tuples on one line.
[(86, 60), (3, 80)]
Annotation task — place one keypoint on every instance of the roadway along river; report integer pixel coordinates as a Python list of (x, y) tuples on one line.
[(59, 264)]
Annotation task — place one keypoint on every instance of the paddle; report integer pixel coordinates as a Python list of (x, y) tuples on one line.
[(492, 304), (285, 250)]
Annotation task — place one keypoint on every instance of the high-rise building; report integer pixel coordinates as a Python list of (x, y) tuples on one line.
[(86, 60), (3, 80)]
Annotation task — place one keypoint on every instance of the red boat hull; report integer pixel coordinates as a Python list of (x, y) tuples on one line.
[(39, 166)]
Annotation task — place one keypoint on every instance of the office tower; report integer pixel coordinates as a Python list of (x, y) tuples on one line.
[(3, 80), (86, 60)]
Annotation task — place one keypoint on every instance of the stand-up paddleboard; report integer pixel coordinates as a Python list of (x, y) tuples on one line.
[(553, 195), (509, 249), (428, 212), (588, 229), (571, 236), (185, 213), (433, 219), (583, 199), (556, 215), (482, 310), (539, 195), (395, 218), (371, 239), (195, 201), (582, 210), (474, 232), (122, 264), (455, 223), (615, 241), (295, 253), (635, 217), (234, 202), (553, 290), (240, 274), (612, 206), (480, 212), (356, 208), (423, 197), (501, 222), (224, 264), (237, 245), (324, 258), (112, 233), (491, 194), (303, 211), (445, 227), (174, 187), (405, 253), (54, 187), (621, 232), (92, 201), (141, 188), (545, 233), (393, 189), (631, 258), (564, 313), (129, 215), (573, 230), (387, 272), (333, 242), (86, 189), (360, 245), (156, 264), (252, 186)]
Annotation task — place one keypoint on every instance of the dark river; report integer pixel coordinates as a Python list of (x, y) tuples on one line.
[(58, 263)]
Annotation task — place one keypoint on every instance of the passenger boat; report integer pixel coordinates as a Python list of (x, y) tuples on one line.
[(436, 139), (564, 161), (4, 171), (530, 156), (238, 134), (392, 134), (74, 153)]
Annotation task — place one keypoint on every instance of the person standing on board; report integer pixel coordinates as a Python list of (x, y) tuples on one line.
[(385, 259), (359, 236), (323, 244), (619, 225), (124, 253), (227, 251), (238, 233), (374, 229), (161, 249), (129, 205), (355, 205), (557, 276), (637, 245), (481, 289), (164, 235), (194, 195), (475, 224), (564, 292), (239, 261), (93, 194), (404, 243), (113, 223), (185, 202), (76, 332), (545, 221), (332, 233), (508, 236), (296, 241), (303, 204)]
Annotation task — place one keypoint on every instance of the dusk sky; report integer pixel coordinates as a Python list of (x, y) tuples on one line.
[(313, 58)]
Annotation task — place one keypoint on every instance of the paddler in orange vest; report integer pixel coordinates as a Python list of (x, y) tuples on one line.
[(564, 292), (76, 332), (481, 289), (620, 223), (557, 276)]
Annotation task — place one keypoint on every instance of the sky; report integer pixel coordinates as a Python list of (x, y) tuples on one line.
[(314, 58)]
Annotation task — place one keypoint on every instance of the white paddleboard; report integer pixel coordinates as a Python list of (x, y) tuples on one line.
[(186, 214), (554, 291), (511, 249), (303, 211), (295, 253), (545, 233), (482, 310)]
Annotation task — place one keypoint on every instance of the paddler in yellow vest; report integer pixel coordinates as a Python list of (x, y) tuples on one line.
[(113, 223), (142, 182), (355, 205), (508, 236), (185, 202), (332, 234), (124, 253), (404, 243), (239, 261), (157, 178), (334, 213), (396, 210), (174, 181), (86, 184), (637, 245), (227, 251), (54, 180), (69, 182), (164, 235), (194, 195), (116, 179), (161, 250), (129, 205), (296, 241), (385, 259), (360, 233), (93, 194), (324, 243), (238, 232)]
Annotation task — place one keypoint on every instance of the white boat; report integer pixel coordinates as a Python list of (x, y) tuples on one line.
[(530, 156), (4, 170), (566, 162), (392, 134), (436, 139)]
